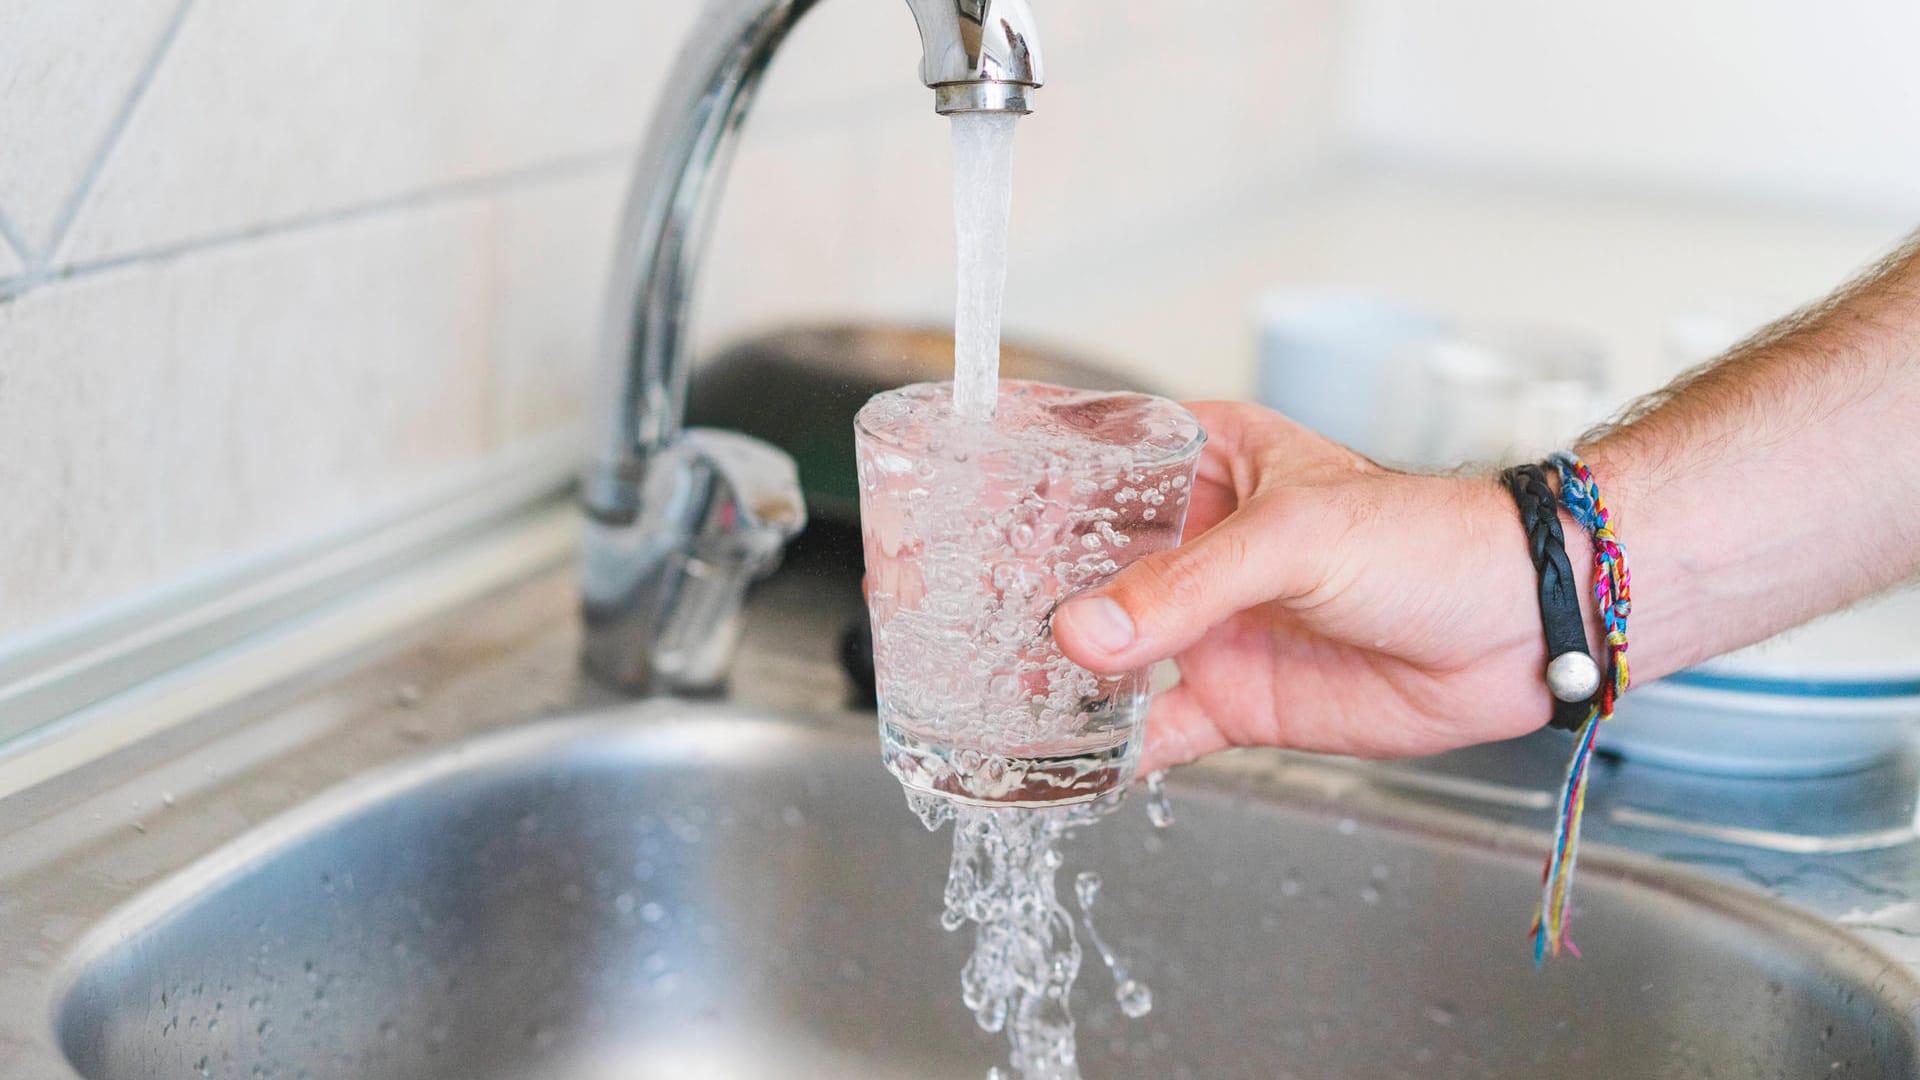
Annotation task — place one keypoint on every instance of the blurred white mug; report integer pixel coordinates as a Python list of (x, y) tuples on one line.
[(1332, 359)]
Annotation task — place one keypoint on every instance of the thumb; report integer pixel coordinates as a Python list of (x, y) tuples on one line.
[(1169, 600)]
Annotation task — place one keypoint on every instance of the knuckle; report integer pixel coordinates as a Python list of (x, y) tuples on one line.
[(1172, 582)]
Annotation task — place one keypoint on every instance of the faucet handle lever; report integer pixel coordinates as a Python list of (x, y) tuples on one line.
[(663, 593), (757, 493)]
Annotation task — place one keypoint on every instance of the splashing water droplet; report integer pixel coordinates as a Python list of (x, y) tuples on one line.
[(1086, 887), (1026, 953), (1159, 807), (1134, 998)]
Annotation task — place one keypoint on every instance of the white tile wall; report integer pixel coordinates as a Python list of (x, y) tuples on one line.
[(340, 248), (171, 413), (550, 277), (67, 68), (277, 112)]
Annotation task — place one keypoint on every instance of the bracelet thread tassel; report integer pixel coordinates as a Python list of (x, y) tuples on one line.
[(1613, 593)]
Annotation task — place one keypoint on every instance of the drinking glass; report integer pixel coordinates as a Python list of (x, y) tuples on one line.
[(975, 532)]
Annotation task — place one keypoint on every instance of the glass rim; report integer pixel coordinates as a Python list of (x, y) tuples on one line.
[(1187, 451)]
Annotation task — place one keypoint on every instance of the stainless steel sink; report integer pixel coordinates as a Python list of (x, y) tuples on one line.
[(681, 891)]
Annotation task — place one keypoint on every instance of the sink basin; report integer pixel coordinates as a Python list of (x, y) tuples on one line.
[(677, 892)]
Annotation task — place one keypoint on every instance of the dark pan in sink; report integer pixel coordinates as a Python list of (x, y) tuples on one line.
[(799, 388)]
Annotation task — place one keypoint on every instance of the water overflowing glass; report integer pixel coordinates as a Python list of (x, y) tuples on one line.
[(974, 534), (1026, 953)]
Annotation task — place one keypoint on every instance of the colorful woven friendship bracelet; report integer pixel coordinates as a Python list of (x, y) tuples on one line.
[(1613, 593)]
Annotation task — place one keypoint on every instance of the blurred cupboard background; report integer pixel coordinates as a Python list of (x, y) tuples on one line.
[(269, 270)]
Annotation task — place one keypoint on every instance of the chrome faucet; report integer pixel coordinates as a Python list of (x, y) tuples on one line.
[(680, 521)]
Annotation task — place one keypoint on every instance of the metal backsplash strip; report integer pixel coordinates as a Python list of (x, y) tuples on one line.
[(53, 682)]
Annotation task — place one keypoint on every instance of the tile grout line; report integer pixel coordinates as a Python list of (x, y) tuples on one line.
[(16, 243), (63, 224), (480, 187)]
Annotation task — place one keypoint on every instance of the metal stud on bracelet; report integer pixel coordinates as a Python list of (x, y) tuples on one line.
[(1573, 676)]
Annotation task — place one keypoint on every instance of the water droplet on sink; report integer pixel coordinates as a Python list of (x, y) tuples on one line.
[(624, 903), (1290, 885), (203, 1067), (1348, 826), (1369, 895), (1441, 1013), (652, 912), (1134, 998), (792, 816)]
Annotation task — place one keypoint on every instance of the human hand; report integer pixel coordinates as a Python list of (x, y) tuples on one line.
[(1325, 603)]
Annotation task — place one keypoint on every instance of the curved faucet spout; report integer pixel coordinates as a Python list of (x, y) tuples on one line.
[(977, 56)]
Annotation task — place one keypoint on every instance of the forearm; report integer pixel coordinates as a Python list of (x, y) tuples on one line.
[(1779, 483)]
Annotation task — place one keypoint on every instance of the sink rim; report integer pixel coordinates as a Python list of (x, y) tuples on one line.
[(710, 734)]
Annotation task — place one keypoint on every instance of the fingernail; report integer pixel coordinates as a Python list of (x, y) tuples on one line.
[(1103, 622)]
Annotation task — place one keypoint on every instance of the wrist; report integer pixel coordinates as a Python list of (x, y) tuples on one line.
[(1674, 623)]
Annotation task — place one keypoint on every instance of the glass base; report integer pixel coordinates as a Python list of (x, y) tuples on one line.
[(973, 776)]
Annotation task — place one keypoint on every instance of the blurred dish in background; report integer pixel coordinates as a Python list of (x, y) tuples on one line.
[(1502, 395), (1829, 697), (1403, 386)]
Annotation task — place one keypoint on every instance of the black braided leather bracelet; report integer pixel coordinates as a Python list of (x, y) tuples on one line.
[(1571, 673)]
